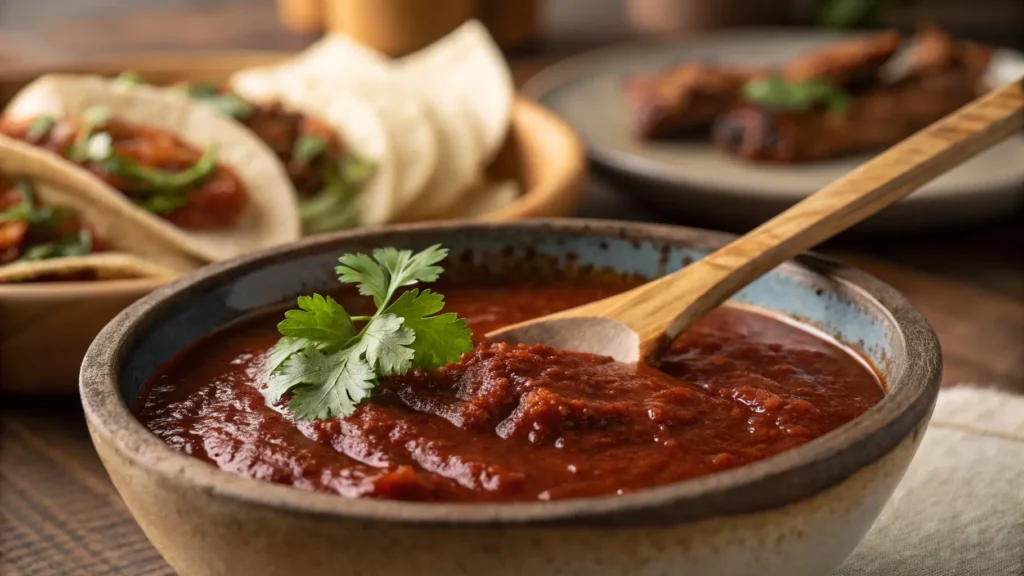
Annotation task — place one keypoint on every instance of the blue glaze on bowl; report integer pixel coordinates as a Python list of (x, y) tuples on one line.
[(804, 292)]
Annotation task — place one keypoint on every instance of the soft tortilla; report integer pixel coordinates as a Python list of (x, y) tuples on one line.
[(357, 119), (146, 252), (337, 63), (460, 143), (487, 199), (458, 169), (105, 265), (272, 215), (467, 69)]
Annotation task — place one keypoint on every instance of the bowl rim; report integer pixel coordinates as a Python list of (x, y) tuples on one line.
[(766, 484)]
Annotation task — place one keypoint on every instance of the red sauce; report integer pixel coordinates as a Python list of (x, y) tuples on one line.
[(520, 423), (216, 202)]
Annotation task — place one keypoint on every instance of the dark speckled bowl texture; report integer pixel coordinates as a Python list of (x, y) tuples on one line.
[(800, 512)]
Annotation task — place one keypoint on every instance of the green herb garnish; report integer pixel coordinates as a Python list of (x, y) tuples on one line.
[(40, 127), (129, 77), (92, 120), (162, 191), (46, 219), (157, 180), (227, 103), (77, 244), (776, 93), (26, 209), (335, 207), (307, 148), (163, 203), (329, 367)]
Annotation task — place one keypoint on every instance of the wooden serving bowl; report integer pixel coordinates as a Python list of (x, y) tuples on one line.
[(799, 513), (45, 329)]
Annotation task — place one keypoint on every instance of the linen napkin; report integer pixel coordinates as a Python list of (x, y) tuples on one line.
[(959, 510)]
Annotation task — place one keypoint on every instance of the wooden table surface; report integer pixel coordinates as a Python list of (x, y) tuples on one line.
[(59, 514)]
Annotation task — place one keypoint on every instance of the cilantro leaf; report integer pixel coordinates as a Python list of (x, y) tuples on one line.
[(75, 244), (406, 269), (39, 128), (129, 78), (329, 368), (362, 270), (320, 320), (149, 179), (776, 93), (392, 270), (162, 203), (307, 148), (284, 348), (439, 339), (323, 385), (385, 343)]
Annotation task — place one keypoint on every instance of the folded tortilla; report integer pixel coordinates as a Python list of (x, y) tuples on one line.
[(465, 89), (338, 64), (271, 216), (136, 248), (357, 120)]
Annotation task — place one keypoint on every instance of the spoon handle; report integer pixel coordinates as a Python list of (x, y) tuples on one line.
[(693, 291)]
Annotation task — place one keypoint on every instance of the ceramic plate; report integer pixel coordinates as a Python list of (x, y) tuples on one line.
[(695, 180)]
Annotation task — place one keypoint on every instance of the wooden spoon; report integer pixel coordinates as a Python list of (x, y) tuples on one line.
[(641, 322)]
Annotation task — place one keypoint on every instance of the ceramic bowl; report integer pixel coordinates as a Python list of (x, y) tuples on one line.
[(798, 513), (40, 351)]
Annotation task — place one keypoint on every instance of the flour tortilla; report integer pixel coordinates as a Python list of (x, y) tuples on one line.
[(336, 63), (466, 68), (357, 120), (104, 265), (271, 217), (458, 169), (137, 250), (461, 138), (487, 199)]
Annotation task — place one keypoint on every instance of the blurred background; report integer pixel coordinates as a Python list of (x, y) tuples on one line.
[(53, 30)]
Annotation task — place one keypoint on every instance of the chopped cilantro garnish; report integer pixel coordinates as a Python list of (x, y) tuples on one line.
[(329, 367), (155, 190), (157, 180), (129, 77), (227, 103), (76, 244), (40, 127), (335, 207), (46, 220), (307, 148), (776, 93)]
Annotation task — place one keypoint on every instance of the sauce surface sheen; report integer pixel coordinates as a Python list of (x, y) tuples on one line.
[(520, 423)]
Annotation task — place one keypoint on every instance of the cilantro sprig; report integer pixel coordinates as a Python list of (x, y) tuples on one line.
[(329, 366), (776, 93)]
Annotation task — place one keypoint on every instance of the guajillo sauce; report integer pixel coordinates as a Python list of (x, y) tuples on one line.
[(520, 423)]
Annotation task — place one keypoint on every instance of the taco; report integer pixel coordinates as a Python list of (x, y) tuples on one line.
[(58, 224), (466, 89), (369, 78), (334, 145), (200, 180)]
